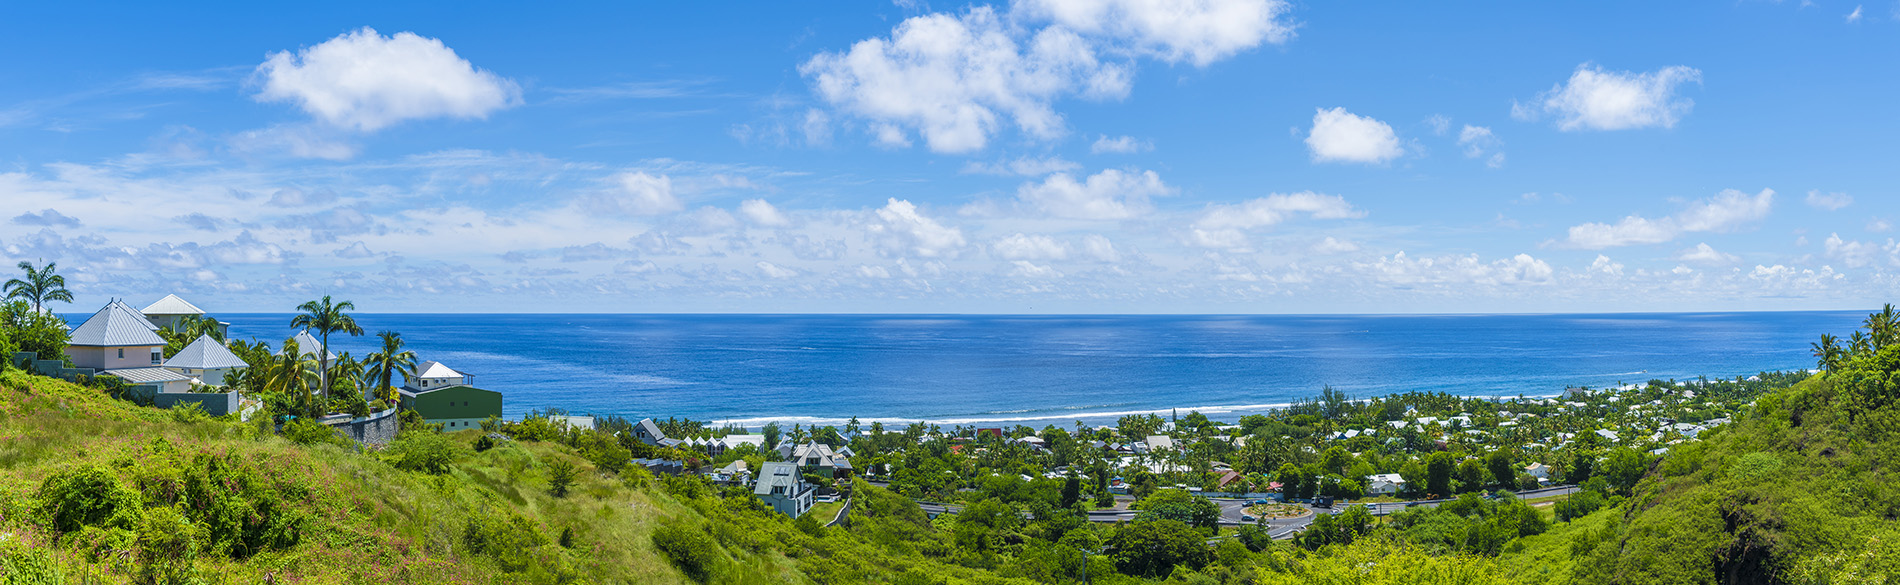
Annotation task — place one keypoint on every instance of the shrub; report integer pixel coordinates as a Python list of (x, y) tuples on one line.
[(189, 412), (689, 548), (560, 477), (26, 565), (505, 536), (421, 451), (88, 496), (304, 431), (167, 545), (484, 443)]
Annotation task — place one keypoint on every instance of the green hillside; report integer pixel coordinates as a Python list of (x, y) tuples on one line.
[(1798, 489)]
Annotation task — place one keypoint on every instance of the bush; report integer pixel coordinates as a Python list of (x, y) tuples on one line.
[(689, 548), (421, 451), (484, 443), (560, 477), (304, 431), (167, 545), (88, 496), (505, 536), (189, 412), (24, 565)]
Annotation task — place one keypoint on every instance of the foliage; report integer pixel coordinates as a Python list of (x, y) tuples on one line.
[(423, 451), (1154, 548), (689, 548), (304, 431), (26, 329), (38, 285), (560, 477), (79, 497)]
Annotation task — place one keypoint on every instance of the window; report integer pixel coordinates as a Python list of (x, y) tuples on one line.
[(121, 353), (158, 358)]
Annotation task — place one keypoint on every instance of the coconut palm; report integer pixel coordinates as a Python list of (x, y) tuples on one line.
[(391, 360), (325, 318), (40, 286), (294, 374), (1828, 352), (1883, 327)]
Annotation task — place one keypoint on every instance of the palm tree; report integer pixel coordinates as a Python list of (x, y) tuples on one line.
[(392, 360), (1860, 344), (40, 285), (325, 317), (293, 374), (1828, 352), (1883, 327)]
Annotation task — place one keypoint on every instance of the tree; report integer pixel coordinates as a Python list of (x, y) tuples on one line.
[(1828, 353), (35, 331), (1180, 506), (1071, 490), (1503, 470), (1153, 548), (40, 286), (560, 477), (1438, 474), (325, 318), (392, 359), (1623, 468)]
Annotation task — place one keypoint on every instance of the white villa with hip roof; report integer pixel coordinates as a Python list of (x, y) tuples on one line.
[(168, 312), (207, 360), (309, 345)]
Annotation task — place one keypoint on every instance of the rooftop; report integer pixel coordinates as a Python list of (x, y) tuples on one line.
[(115, 325), (172, 305), (205, 353)]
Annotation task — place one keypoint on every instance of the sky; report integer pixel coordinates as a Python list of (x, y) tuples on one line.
[(1034, 156)]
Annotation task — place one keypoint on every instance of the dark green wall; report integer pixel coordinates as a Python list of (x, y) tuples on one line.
[(448, 403)]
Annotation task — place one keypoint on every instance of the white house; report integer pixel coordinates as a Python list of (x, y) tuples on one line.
[(207, 360), (432, 375), (1607, 434), (171, 310), (1538, 470), (308, 344), (567, 420), (1384, 484), (115, 338), (1159, 443), (168, 382), (817, 456), (782, 488), (720, 445)]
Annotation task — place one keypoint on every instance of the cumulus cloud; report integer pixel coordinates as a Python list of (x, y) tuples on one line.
[(1110, 194), (1400, 269), (1225, 226), (761, 212), (1726, 211), (1604, 265), (638, 193), (1478, 141), (1858, 254), (1341, 136), (1598, 99), (1332, 245), (46, 218), (1829, 201), (957, 79), (1118, 145), (1029, 247), (1100, 248), (909, 231), (365, 81), (1706, 254)]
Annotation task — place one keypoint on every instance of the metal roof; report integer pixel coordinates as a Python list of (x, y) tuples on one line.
[(205, 353), (172, 305), (148, 375), (135, 313), (433, 369), (307, 344), (116, 325), (779, 474)]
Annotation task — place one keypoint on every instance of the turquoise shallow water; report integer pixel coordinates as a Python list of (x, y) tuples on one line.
[(961, 369)]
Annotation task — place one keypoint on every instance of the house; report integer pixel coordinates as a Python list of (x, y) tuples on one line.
[(585, 423), (781, 488), (1538, 470), (434, 375), (735, 473), (116, 338), (661, 466), (207, 360), (1607, 434), (1228, 478), (1159, 443), (308, 344), (170, 311), (720, 445), (650, 433), (167, 381), (1384, 484), (454, 406), (818, 457)]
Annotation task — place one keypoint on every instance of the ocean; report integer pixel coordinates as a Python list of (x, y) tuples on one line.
[(1039, 370)]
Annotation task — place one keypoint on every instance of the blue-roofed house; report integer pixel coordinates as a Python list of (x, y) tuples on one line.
[(207, 360)]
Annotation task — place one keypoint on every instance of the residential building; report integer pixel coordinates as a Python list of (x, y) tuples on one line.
[(1538, 470), (455, 406), (1159, 443), (735, 473), (782, 488), (585, 423), (115, 338), (661, 466), (168, 382), (650, 433), (817, 457), (720, 445), (309, 345), (207, 360), (168, 312), (1384, 484), (434, 374)]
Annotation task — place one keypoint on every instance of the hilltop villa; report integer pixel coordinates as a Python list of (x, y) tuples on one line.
[(783, 489), (444, 396), (818, 457), (121, 342), (205, 359), (168, 312)]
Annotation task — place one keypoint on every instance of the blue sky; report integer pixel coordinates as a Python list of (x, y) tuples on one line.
[(1037, 156)]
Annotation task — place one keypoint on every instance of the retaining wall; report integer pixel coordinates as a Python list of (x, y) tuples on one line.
[(376, 429)]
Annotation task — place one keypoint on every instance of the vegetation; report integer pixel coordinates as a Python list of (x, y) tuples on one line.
[(324, 318), (38, 286)]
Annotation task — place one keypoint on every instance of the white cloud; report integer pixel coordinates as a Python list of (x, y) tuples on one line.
[(1726, 211), (868, 271), (46, 218), (1440, 124), (638, 193), (365, 81), (1401, 269), (1225, 226), (1118, 145), (1110, 194), (1855, 15), (1829, 201), (1604, 265), (1199, 32), (1596, 99), (761, 212), (1027, 247), (1098, 247), (1025, 268), (1858, 254), (1332, 245), (1705, 254), (1023, 166), (956, 79), (1478, 140), (1340, 136), (297, 140), (908, 230), (775, 271), (1879, 225)]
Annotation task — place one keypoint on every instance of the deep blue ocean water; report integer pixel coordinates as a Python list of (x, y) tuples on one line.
[(962, 369)]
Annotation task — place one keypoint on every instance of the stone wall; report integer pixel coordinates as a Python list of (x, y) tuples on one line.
[(376, 429)]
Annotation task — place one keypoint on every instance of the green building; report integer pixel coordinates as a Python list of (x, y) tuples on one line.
[(444, 396)]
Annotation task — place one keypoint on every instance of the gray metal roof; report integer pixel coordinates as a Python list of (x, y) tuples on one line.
[(778, 474), (307, 344), (115, 326), (148, 375), (172, 305), (135, 312), (205, 353)]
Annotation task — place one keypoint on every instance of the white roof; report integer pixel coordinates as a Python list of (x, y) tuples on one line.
[(148, 375), (436, 370), (1386, 477), (115, 325), (172, 305), (205, 353), (307, 344)]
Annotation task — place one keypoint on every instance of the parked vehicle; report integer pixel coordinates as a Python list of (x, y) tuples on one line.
[(1323, 502)]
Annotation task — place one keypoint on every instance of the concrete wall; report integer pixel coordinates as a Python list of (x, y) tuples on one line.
[(214, 404), (210, 376), (107, 358), (376, 429)]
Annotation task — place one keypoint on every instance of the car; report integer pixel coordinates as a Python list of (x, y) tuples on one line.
[(1374, 508), (1262, 502), (1322, 502), (1247, 518)]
